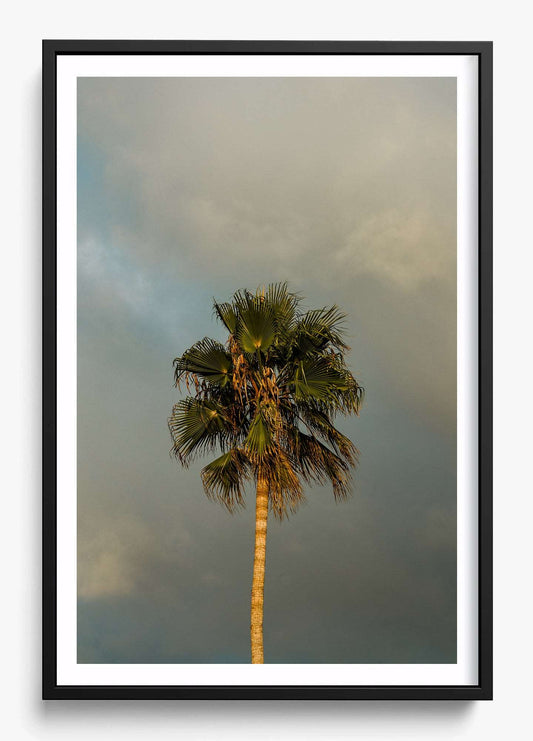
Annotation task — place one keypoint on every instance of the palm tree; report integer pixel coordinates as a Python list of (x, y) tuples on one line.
[(266, 401)]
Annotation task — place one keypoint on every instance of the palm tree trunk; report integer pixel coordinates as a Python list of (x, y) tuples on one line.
[(258, 581)]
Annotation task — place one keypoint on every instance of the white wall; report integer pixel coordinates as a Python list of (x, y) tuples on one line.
[(24, 25)]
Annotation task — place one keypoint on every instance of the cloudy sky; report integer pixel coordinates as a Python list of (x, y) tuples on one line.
[(189, 189)]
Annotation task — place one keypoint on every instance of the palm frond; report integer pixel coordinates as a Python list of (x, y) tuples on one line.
[(259, 438), (316, 463), (206, 358), (283, 305), (197, 426), (227, 315), (255, 330), (224, 478), (316, 378), (318, 329), (285, 488), (350, 395), (319, 424)]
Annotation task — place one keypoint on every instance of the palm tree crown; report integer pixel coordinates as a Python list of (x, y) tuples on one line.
[(267, 400)]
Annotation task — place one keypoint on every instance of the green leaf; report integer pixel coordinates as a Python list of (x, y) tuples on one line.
[(206, 358), (316, 378), (224, 478), (320, 424), (316, 463), (259, 436), (318, 330), (196, 426), (227, 315), (256, 329), (282, 305)]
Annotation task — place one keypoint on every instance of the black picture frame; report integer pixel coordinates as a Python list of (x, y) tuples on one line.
[(52, 49)]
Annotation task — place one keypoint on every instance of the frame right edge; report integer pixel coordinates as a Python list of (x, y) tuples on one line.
[(485, 351)]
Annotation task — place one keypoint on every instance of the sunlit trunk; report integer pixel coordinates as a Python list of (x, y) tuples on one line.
[(258, 581)]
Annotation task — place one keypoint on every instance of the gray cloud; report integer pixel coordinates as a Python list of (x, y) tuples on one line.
[(332, 183)]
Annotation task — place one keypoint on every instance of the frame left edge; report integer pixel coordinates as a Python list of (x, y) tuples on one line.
[(49, 367)]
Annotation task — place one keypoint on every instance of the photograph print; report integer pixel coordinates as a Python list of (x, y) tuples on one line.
[(252, 255)]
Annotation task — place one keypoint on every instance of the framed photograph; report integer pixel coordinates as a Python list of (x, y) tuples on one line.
[(267, 425)]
